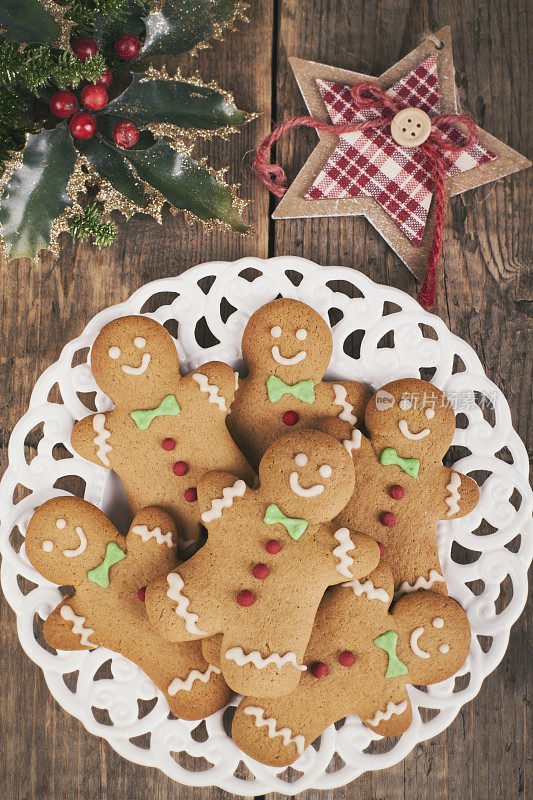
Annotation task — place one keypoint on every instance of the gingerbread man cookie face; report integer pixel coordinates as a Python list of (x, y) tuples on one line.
[(70, 541), (411, 416), (173, 427), (402, 488), (287, 347), (359, 660), (131, 357), (269, 556)]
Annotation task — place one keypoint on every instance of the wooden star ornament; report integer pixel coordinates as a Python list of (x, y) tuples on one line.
[(379, 171)]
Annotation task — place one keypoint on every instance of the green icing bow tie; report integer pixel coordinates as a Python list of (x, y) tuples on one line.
[(100, 574), (409, 465), (294, 527), (387, 642), (303, 390), (167, 407)]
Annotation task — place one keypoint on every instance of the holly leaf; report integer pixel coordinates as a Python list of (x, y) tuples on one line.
[(27, 21), (175, 102), (108, 28), (182, 24), (186, 184), (37, 193), (110, 164)]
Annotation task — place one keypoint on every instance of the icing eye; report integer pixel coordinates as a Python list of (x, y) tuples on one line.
[(444, 648), (139, 342), (61, 523), (430, 413), (275, 331), (301, 459), (48, 546), (405, 404), (438, 622), (325, 471), (301, 335), (114, 352)]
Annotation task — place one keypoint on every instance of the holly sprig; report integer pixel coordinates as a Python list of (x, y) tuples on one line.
[(75, 116)]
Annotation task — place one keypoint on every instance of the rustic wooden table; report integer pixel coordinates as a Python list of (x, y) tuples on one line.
[(485, 753)]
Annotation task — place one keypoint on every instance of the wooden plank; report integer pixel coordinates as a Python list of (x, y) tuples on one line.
[(482, 297), (47, 754)]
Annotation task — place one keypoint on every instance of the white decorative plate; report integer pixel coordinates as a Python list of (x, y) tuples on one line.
[(395, 338)]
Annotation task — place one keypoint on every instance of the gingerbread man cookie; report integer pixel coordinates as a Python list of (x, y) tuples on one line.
[(359, 659), (270, 554), (72, 542), (165, 431), (287, 346), (402, 488)]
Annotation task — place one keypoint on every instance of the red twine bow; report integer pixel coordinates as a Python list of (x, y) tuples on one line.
[(366, 95)]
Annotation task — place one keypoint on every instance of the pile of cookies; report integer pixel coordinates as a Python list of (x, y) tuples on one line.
[(305, 513)]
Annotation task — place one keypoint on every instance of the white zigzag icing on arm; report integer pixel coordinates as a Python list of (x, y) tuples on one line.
[(180, 685), (211, 389), (452, 501), (420, 583), (340, 552), (241, 658), (78, 627), (176, 584), (392, 708), (145, 533), (101, 438), (218, 504), (340, 400), (270, 723), (354, 443), (369, 589)]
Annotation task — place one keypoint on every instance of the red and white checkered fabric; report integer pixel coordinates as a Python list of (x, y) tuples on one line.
[(371, 163)]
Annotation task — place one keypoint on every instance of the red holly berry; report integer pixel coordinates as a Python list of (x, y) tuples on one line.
[(127, 46), (105, 79), (319, 669), (84, 47), (245, 598), (63, 104), (126, 133), (94, 97), (83, 126)]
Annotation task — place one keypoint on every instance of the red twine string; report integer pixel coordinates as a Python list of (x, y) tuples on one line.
[(368, 95)]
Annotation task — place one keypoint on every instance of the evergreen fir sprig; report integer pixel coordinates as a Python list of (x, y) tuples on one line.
[(84, 13), (90, 223), (35, 66)]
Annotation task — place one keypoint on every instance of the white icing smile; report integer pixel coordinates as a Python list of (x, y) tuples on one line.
[(294, 480), (137, 370), (404, 429), (287, 362), (415, 647), (81, 547)]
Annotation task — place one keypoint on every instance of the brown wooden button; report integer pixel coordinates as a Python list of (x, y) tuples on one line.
[(410, 127)]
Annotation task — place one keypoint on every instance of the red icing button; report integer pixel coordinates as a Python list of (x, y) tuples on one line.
[(290, 418), (245, 598), (273, 546), (141, 593), (319, 669), (382, 549), (168, 444), (260, 571), (180, 468), (191, 495), (396, 492), (388, 519), (346, 658)]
